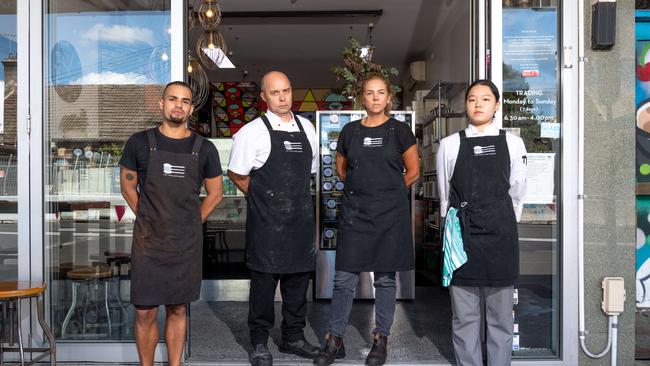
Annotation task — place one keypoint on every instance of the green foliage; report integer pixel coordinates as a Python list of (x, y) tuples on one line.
[(356, 67), (110, 148)]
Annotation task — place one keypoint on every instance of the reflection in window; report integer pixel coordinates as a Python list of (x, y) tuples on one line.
[(104, 72), (8, 151)]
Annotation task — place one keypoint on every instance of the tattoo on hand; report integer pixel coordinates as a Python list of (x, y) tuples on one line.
[(129, 176)]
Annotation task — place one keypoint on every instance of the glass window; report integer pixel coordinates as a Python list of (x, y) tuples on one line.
[(8, 157), (105, 64), (530, 107)]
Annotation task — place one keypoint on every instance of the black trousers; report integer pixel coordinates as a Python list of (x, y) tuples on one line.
[(261, 313)]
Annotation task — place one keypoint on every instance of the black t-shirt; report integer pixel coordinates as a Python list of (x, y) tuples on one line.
[(136, 154), (403, 134)]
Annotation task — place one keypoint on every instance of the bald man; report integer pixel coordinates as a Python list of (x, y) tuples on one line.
[(271, 161)]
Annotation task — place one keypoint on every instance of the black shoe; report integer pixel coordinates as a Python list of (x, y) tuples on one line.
[(301, 348), (334, 349), (379, 351), (260, 356)]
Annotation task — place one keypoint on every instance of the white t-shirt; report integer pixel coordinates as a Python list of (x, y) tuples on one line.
[(251, 145)]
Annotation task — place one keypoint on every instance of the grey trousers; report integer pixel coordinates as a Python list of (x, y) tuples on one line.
[(345, 284), (466, 324)]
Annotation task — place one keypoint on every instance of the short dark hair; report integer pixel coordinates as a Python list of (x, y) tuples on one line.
[(484, 82), (177, 83)]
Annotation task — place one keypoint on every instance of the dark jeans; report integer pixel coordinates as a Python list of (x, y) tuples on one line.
[(261, 313), (345, 284)]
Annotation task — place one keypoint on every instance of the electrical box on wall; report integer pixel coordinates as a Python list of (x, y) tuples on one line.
[(613, 295), (419, 70), (603, 24)]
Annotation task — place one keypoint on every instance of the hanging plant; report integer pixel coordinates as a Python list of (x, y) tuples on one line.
[(357, 67)]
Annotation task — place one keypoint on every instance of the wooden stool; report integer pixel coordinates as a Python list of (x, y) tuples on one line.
[(88, 275), (12, 293)]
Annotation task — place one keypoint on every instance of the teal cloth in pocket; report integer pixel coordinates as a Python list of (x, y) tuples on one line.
[(452, 246)]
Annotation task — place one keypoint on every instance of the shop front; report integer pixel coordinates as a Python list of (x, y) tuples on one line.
[(80, 77)]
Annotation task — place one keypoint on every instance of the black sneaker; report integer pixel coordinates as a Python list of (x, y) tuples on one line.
[(301, 348), (260, 356)]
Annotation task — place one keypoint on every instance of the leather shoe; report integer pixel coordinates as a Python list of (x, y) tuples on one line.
[(300, 347), (333, 349), (260, 356), (379, 350)]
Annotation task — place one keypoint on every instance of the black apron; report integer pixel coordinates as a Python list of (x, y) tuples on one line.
[(280, 224), (167, 236), (479, 189), (375, 226)]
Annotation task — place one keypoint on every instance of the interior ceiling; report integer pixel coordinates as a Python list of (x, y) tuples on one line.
[(306, 47)]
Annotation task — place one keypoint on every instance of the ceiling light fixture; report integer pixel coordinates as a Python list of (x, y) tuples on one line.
[(212, 40), (366, 51), (198, 81), (209, 14)]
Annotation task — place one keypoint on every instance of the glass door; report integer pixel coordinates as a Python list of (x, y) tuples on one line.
[(104, 68), (524, 63)]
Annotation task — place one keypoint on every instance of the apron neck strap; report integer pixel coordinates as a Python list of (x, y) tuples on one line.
[(151, 136), (502, 132), (298, 123), (462, 134), (265, 119), (198, 141)]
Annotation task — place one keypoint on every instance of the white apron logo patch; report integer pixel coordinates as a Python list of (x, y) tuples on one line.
[(373, 142), (292, 146), (484, 150), (177, 171)]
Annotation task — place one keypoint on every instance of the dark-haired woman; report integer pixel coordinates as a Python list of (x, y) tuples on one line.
[(378, 159), (482, 182)]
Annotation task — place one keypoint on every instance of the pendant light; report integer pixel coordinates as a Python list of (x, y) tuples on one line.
[(198, 81), (210, 39), (209, 14)]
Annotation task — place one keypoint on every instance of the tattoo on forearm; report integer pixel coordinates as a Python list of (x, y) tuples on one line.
[(129, 176)]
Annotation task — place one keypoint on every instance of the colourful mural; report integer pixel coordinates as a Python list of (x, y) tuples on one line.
[(643, 157), (235, 104)]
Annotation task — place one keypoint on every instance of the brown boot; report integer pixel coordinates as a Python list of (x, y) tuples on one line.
[(333, 349), (379, 350)]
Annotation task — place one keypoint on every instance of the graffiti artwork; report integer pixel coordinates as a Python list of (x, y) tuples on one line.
[(643, 157)]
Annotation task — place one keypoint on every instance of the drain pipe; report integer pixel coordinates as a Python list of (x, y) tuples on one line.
[(612, 319)]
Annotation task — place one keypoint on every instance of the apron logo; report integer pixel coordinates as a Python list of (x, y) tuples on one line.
[(292, 146), (484, 150), (177, 171), (373, 142)]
